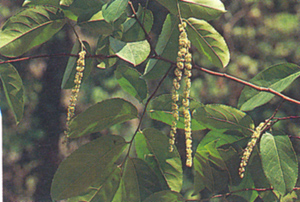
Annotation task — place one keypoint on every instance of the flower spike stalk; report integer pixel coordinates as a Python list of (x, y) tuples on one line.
[(184, 60), (75, 90)]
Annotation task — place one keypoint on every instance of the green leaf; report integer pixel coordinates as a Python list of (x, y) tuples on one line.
[(210, 168), (248, 180), (246, 183), (166, 47), (82, 7), (217, 116), (133, 30), (256, 170), (29, 28), (277, 77), (143, 152), (120, 195), (153, 147), (160, 109), (66, 2), (208, 41), (279, 161), (140, 180), (13, 89), (114, 9), (231, 158), (213, 154), (102, 115), (41, 2), (69, 75), (89, 169), (202, 9), (105, 192), (129, 79), (165, 196), (223, 137), (103, 47), (206, 175), (132, 52), (96, 23)]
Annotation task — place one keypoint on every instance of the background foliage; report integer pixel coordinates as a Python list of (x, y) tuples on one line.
[(259, 34)]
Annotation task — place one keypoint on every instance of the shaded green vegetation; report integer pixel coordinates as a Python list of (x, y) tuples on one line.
[(122, 153)]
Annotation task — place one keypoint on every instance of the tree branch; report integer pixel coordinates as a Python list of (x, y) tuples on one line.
[(158, 57), (99, 56), (246, 83), (38, 56), (248, 189)]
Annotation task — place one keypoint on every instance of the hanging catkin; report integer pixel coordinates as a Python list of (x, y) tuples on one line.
[(184, 60), (75, 90), (251, 144)]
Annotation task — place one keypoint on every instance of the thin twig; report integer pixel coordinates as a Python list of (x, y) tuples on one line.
[(148, 38), (158, 57), (233, 78), (100, 56), (77, 36), (286, 118), (269, 122), (246, 83), (248, 189), (38, 56), (144, 112)]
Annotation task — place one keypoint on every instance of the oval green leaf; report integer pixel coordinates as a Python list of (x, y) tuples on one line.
[(29, 28), (279, 161), (223, 137), (132, 52), (40, 2), (208, 41), (206, 174), (153, 147), (120, 193), (96, 23), (88, 169), (102, 115), (202, 9), (82, 7), (140, 180), (259, 178), (105, 192), (13, 89), (277, 77), (167, 47), (129, 79), (114, 9), (160, 109), (217, 116), (165, 196)]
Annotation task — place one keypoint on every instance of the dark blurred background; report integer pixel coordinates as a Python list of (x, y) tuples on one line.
[(258, 33)]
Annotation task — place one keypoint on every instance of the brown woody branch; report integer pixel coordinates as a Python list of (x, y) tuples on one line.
[(147, 36), (249, 189), (246, 83), (38, 56), (238, 80)]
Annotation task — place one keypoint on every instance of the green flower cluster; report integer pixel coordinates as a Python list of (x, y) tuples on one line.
[(75, 90), (247, 153), (184, 60)]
